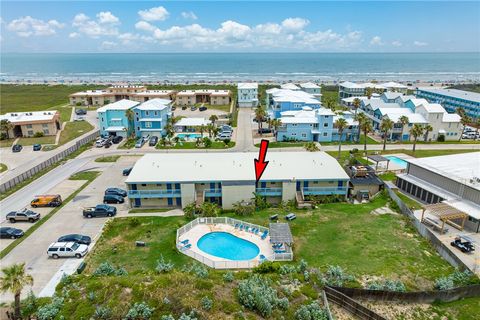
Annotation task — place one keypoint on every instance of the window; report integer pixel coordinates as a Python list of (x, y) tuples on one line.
[(147, 113), (144, 185), (148, 124), (45, 125), (30, 132), (46, 131), (325, 134), (304, 135), (325, 125), (156, 113), (29, 126)]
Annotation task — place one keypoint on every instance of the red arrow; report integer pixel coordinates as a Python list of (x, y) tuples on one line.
[(260, 163)]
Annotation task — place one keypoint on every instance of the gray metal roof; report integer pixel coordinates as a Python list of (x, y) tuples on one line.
[(280, 233), (377, 158)]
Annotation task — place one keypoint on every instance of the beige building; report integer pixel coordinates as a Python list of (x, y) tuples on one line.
[(209, 97), (116, 93), (27, 124)]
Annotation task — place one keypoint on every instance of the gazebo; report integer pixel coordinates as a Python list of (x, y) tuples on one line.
[(446, 213), (282, 240), (378, 158)]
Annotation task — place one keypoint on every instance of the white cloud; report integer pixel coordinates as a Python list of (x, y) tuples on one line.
[(145, 26), (295, 24), (28, 26), (376, 41), (105, 25), (396, 43), (154, 14), (189, 15), (420, 44), (108, 45), (74, 35)]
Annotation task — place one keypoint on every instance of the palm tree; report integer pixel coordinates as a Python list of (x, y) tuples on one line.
[(341, 124), (331, 103), (213, 118), (356, 104), (260, 114), (403, 121), (366, 127), (6, 126), (130, 116), (210, 127), (464, 120), (428, 128), (201, 129), (386, 126), (416, 131), (369, 92), (360, 118), (311, 146), (14, 279), (275, 123)]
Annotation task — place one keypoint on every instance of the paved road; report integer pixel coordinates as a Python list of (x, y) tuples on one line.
[(244, 139)]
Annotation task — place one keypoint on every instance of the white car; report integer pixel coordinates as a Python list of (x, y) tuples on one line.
[(100, 143), (67, 249), (224, 136)]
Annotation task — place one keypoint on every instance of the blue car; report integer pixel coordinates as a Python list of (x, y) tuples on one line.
[(37, 147)]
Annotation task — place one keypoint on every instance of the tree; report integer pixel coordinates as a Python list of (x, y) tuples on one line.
[(366, 127), (428, 128), (341, 124), (6, 126), (190, 210), (360, 118), (130, 117), (369, 93), (403, 121), (14, 279), (464, 120), (330, 102), (275, 123), (201, 129), (209, 209), (386, 126), (260, 114), (210, 129), (213, 118), (356, 104), (207, 143), (311, 146), (416, 131)]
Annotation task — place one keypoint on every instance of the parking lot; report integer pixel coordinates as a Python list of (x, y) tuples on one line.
[(69, 219), (199, 114)]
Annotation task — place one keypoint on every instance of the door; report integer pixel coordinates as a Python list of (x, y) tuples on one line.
[(61, 252)]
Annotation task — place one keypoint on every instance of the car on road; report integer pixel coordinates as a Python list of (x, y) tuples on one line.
[(10, 233), (127, 171), (23, 215), (78, 238), (202, 108), (193, 108), (113, 198), (116, 191), (100, 210), (17, 148), (46, 200), (80, 112), (67, 250), (153, 141), (37, 147), (117, 139)]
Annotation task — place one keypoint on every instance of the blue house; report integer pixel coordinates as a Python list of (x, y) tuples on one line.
[(151, 117), (282, 100), (113, 119)]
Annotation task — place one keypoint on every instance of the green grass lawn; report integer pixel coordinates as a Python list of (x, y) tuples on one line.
[(224, 108), (127, 144), (65, 113), (3, 167), (140, 210), (191, 145), (7, 143), (107, 159), (40, 140), (389, 176), (74, 130), (361, 141), (409, 202)]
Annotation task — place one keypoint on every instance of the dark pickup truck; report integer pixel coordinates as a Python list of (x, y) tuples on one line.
[(101, 210)]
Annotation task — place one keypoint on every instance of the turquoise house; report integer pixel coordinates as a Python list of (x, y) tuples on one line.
[(113, 119), (283, 100), (151, 117)]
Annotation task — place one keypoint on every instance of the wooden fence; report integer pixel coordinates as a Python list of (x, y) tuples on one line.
[(7, 185)]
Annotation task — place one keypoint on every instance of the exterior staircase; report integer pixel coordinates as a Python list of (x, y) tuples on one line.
[(200, 198), (301, 203)]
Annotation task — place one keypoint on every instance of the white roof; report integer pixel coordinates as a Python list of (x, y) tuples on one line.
[(451, 117), (433, 108), (395, 85), (17, 117), (306, 115), (119, 105), (286, 95), (349, 119), (412, 117), (289, 86), (154, 93), (448, 166), (309, 85), (192, 122), (89, 93), (234, 166), (154, 104), (115, 129), (247, 85), (353, 85), (405, 98), (417, 102), (204, 91), (459, 94), (350, 99), (392, 95)]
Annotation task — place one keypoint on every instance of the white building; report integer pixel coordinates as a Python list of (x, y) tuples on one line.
[(290, 86), (351, 89), (311, 88), (247, 95)]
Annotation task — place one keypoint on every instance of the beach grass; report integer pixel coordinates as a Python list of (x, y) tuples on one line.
[(3, 167), (107, 159), (74, 130)]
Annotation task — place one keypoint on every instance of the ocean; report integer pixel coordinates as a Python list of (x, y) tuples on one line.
[(234, 67)]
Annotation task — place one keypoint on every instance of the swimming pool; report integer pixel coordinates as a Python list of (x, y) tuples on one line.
[(399, 162), (227, 246), (189, 136)]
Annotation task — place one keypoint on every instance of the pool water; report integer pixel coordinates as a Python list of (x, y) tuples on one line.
[(399, 162), (227, 246), (189, 136)]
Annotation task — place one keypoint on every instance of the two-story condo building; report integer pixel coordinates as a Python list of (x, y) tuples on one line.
[(452, 99), (210, 96), (349, 89), (312, 88), (314, 125), (113, 118), (151, 117), (27, 124), (247, 95), (116, 93), (281, 100), (176, 180)]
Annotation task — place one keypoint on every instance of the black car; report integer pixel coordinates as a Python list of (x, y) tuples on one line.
[(107, 144), (202, 108), (153, 141), (37, 147), (17, 148), (116, 192), (80, 112), (117, 139), (463, 244), (264, 130), (127, 171), (113, 198), (10, 233), (78, 238)]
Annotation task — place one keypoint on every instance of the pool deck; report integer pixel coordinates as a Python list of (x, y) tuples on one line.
[(194, 234)]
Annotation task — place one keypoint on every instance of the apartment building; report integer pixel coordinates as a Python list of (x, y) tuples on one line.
[(113, 118), (247, 95), (176, 180), (281, 100), (27, 124), (349, 89), (452, 99), (207, 96)]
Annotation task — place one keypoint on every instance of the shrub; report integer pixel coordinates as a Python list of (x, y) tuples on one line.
[(134, 222), (287, 269), (209, 209), (257, 294), (139, 311), (190, 316), (121, 272), (91, 296), (169, 317), (65, 280), (102, 313), (311, 311), (38, 134), (30, 304), (283, 303), (388, 285), (78, 104), (197, 269), (164, 266), (302, 266), (456, 279), (441, 138), (444, 283), (50, 311), (207, 303), (242, 209), (189, 210), (207, 142), (228, 277), (267, 267), (226, 142), (166, 301), (106, 269), (335, 276)]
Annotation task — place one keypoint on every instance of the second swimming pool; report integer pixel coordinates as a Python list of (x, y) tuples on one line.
[(399, 162)]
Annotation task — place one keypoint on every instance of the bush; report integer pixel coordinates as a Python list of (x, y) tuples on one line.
[(190, 210), (38, 134), (267, 267), (207, 303), (257, 294), (197, 269), (51, 310), (335, 276), (164, 266), (169, 317), (311, 311), (456, 279), (207, 142), (78, 104), (444, 283), (441, 138), (388, 285), (102, 313), (209, 209), (227, 142), (228, 277), (242, 209), (106, 269), (287, 269), (134, 222), (139, 311), (30, 304)]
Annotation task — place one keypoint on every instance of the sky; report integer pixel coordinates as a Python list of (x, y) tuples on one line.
[(239, 26)]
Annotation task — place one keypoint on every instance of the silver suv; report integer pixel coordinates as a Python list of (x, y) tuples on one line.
[(23, 215), (67, 249)]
